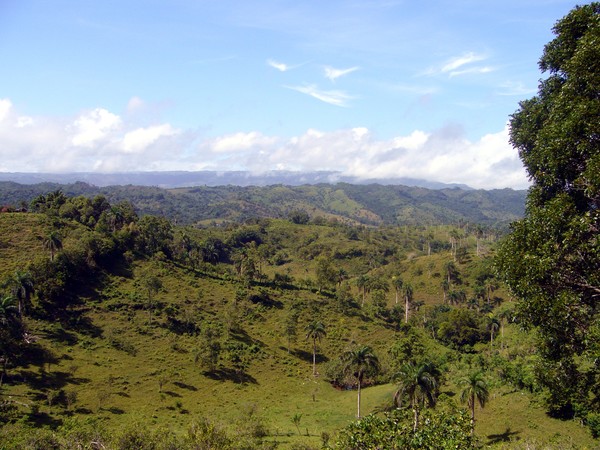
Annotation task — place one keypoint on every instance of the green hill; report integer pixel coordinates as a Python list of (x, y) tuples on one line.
[(139, 329), (360, 204)]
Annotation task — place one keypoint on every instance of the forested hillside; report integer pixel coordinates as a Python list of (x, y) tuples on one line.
[(126, 331), (359, 204)]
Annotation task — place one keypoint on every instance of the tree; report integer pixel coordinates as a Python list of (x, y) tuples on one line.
[(21, 286), (475, 390), (550, 260), (290, 326), (362, 283), (315, 331), (11, 332), (52, 242), (492, 325), (152, 285), (418, 382), (397, 284), (407, 292), (360, 362)]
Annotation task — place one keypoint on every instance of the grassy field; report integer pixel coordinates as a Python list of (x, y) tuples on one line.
[(118, 362)]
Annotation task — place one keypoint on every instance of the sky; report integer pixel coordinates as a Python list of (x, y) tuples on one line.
[(370, 88)]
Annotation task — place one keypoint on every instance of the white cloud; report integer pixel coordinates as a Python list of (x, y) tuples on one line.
[(93, 126), (337, 98), (5, 107), (239, 142), (470, 70), (100, 140), (333, 74), (139, 139), (460, 61), (461, 65), (282, 67)]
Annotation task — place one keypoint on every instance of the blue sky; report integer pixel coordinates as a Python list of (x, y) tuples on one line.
[(371, 88)]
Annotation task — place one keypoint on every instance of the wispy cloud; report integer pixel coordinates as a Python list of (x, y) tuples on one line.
[(460, 61), (333, 74), (283, 67), (471, 70), (461, 65), (337, 98)]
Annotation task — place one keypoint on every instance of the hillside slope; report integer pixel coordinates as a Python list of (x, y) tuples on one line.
[(364, 204), (163, 338)]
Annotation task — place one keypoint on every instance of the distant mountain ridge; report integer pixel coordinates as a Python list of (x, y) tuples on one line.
[(369, 204), (174, 179)]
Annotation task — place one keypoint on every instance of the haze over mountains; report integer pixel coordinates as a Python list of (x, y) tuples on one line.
[(174, 179)]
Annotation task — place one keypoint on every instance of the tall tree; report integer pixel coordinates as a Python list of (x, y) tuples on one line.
[(360, 362), (475, 391), (418, 382), (11, 332), (52, 242), (407, 292), (551, 259), (21, 286), (397, 283), (315, 331)]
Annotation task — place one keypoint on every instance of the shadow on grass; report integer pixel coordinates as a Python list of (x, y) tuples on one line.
[(115, 410), (226, 374), (502, 437), (181, 385), (48, 380), (41, 419), (171, 394), (308, 356)]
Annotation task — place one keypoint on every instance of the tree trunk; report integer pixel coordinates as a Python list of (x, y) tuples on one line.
[(314, 358), (416, 418), (358, 400), (472, 414)]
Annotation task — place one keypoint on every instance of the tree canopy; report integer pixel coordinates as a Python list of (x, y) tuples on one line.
[(551, 260)]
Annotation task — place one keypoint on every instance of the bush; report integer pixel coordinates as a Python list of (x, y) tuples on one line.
[(439, 429)]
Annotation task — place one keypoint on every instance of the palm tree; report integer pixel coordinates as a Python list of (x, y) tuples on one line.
[(315, 331), (475, 389), (493, 324), (362, 283), (397, 283), (53, 243), (22, 288), (408, 296), (420, 384), (8, 309), (360, 362)]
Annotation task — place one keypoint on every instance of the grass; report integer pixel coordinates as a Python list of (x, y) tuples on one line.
[(128, 367)]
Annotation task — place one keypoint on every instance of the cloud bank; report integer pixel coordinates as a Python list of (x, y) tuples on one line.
[(103, 141)]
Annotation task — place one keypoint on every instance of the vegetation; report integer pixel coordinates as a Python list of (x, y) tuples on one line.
[(137, 319), (126, 330), (373, 205), (550, 259)]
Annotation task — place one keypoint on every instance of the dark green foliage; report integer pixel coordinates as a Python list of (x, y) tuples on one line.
[(299, 217), (459, 328), (551, 261), (438, 429)]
